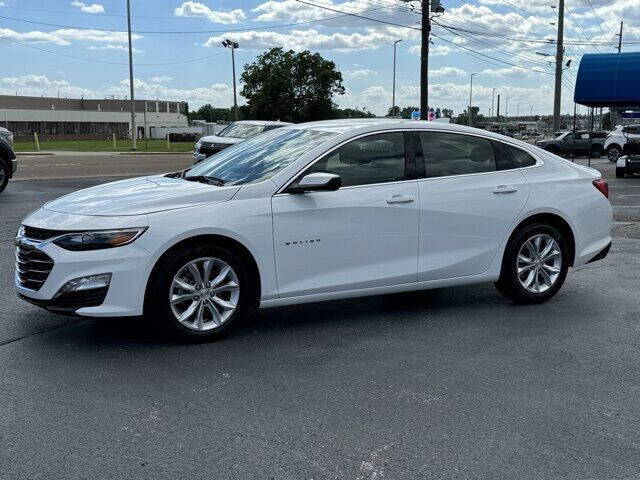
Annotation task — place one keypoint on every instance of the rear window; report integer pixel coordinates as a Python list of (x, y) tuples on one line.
[(520, 157)]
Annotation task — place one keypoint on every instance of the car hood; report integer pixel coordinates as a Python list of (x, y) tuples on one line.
[(217, 139), (138, 196)]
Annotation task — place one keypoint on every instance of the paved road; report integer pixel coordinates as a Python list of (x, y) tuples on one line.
[(452, 383), (82, 165)]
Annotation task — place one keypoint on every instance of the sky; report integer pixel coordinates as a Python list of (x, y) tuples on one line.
[(72, 48)]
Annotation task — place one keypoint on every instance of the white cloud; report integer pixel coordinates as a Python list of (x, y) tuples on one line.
[(447, 72), (308, 40), (219, 94), (39, 85), (434, 50), (199, 10), (120, 48), (93, 8), (65, 36), (163, 79), (362, 72)]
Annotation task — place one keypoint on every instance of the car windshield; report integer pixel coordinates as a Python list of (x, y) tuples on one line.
[(241, 130), (260, 157)]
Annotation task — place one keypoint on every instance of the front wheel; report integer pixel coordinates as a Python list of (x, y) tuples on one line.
[(534, 265), (596, 151), (198, 293)]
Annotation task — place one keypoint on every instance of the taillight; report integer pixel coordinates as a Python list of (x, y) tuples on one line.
[(603, 186)]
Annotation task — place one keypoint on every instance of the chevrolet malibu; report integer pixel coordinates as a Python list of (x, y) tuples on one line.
[(314, 212)]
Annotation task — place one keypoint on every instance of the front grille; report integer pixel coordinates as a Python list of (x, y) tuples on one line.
[(40, 234), (32, 266)]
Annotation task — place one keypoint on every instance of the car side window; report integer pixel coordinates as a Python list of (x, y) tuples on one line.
[(520, 157), (447, 154), (373, 159)]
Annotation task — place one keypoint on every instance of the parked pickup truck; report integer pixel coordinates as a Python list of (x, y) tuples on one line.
[(580, 143), (8, 162)]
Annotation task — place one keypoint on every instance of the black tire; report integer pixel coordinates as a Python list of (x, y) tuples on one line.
[(157, 305), (596, 151), (509, 285), (614, 152), (620, 172), (4, 175)]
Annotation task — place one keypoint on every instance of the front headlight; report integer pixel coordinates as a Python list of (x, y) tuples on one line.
[(99, 239)]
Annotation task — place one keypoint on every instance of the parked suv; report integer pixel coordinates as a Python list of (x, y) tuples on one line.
[(8, 162), (235, 133), (580, 143), (616, 140)]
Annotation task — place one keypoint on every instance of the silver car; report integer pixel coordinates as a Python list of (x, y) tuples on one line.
[(235, 133), (8, 162)]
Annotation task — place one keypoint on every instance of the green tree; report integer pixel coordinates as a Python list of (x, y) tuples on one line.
[(293, 87), (606, 121), (352, 113), (447, 112)]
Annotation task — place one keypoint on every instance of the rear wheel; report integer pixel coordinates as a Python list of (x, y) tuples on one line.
[(614, 152), (4, 175), (535, 264), (596, 151), (198, 293)]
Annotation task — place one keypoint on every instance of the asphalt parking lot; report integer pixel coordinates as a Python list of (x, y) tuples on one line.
[(450, 383)]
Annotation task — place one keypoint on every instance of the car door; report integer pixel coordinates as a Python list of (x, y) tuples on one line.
[(470, 196), (364, 234)]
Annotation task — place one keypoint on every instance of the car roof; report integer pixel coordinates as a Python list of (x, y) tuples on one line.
[(261, 122), (351, 124)]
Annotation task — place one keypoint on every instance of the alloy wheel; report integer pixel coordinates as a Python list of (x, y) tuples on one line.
[(613, 154), (539, 263), (204, 293)]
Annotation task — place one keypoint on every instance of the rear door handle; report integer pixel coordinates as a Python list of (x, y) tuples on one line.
[(400, 199), (504, 189)]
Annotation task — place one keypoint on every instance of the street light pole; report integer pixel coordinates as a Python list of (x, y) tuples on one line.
[(471, 98), (393, 100), (134, 133), (493, 97), (233, 45)]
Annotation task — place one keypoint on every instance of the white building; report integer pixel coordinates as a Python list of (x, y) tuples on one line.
[(70, 119)]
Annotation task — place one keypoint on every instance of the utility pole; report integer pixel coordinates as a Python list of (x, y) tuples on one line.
[(471, 99), (424, 61), (620, 39), (233, 45), (134, 132), (393, 100), (557, 97)]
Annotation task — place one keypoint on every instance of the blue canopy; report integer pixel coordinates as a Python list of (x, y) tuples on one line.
[(609, 80)]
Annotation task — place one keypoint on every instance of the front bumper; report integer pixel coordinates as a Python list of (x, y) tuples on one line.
[(602, 254), (129, 267), (70, 303), (14, 166)]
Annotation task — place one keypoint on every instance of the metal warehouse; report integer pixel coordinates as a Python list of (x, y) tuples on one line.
[(70, 119)]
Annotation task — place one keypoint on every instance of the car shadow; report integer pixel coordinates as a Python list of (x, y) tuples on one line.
[(361, 316)]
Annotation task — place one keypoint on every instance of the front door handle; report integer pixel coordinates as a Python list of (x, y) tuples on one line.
[(400, 199), (504, 189)]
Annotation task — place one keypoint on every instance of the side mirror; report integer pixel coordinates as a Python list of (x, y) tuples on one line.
[(316, 182)]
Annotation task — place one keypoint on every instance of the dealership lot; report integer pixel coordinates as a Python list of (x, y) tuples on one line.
[(451, 383)]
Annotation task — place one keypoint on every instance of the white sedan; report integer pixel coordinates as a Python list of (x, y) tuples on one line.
[(314, 212)]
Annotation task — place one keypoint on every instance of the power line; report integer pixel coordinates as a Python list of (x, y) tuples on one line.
[(220, 31), (359, 16), (74, 57), (600, 22)]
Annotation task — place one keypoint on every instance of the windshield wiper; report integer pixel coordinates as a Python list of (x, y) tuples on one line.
[(218, 182), (179, 174)]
